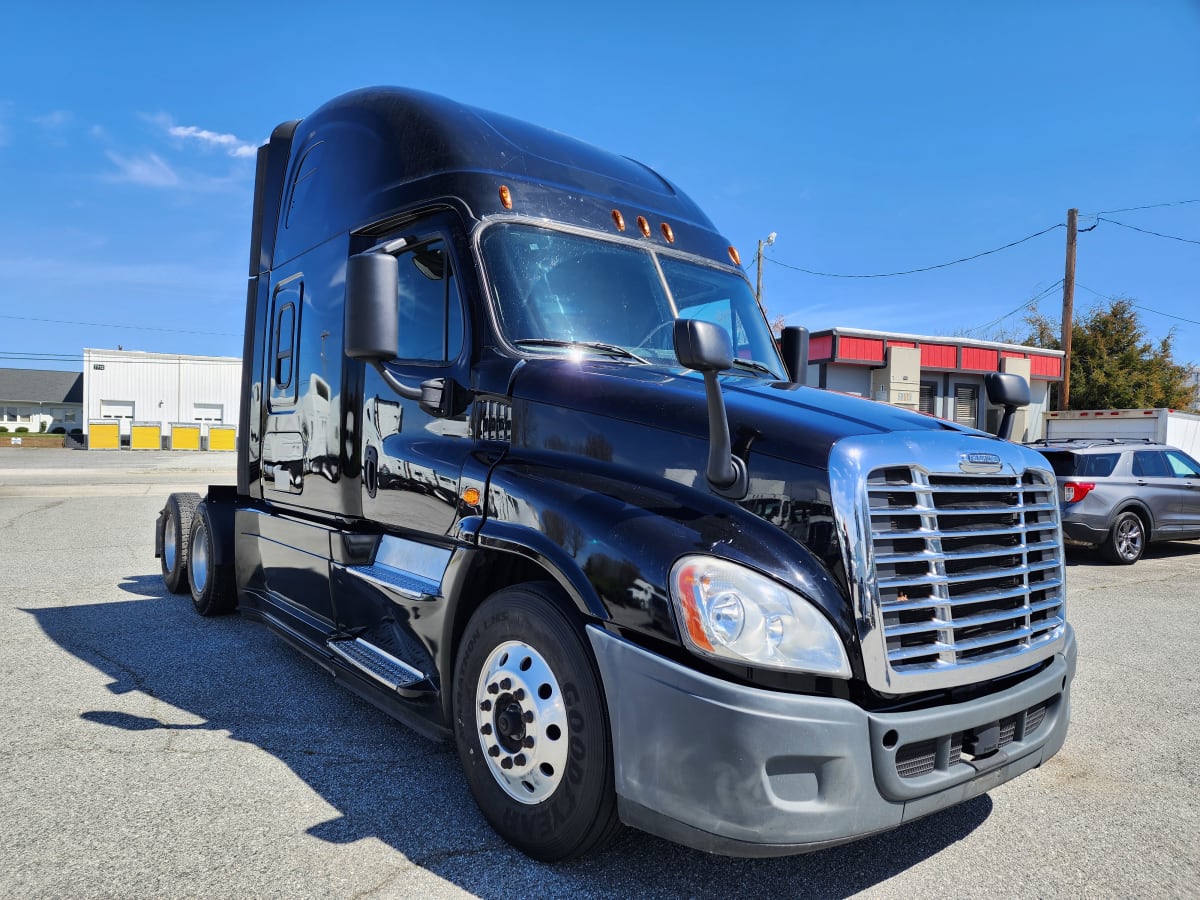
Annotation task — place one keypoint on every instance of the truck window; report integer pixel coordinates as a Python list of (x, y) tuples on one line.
[(431, 317), (285, 328), (574, 288)]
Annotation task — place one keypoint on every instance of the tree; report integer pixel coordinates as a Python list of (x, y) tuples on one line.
[(1114, 365)]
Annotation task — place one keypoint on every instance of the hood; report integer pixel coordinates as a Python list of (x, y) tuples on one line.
[(778, 419)]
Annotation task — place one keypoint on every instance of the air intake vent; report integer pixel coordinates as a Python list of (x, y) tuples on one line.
[(492, 421)]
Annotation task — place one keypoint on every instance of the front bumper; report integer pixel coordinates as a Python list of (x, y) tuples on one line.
[(749, 772)]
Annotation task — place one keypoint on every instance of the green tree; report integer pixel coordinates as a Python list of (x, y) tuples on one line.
[(1114, 365)]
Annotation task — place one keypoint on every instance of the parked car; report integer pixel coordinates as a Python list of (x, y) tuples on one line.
[(1121, 495)]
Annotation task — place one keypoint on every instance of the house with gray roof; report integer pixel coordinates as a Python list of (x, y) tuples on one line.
[(30, 398)]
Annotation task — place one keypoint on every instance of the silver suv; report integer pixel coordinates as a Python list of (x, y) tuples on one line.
[(1121, 495)]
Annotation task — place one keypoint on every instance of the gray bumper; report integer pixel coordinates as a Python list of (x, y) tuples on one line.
[(749, 772)]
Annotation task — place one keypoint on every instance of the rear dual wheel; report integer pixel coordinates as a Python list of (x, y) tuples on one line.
[(532, 728), (177, 518), (213, 590)]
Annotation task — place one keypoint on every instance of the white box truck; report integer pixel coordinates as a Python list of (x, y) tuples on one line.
[(1163, 426)]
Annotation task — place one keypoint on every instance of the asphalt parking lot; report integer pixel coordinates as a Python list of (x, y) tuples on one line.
[(146, 752)]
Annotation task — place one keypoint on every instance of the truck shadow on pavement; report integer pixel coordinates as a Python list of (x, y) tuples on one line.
[(391, 784)]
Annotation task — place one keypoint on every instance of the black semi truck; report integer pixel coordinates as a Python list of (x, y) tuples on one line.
[(520, 463)]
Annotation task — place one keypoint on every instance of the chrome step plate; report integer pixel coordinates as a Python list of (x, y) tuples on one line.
[(381, 666)]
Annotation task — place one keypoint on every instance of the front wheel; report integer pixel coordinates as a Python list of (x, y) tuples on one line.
[(1126, 540), (532, 728)]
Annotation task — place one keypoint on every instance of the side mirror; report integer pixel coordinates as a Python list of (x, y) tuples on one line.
[(705, 347), (794, 345), (1011, 392), (372, 323), (372, 314)]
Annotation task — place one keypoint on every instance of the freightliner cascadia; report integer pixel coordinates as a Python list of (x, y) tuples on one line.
[(520, 463)]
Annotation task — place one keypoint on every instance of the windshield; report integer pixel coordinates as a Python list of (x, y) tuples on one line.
[(557, 291)]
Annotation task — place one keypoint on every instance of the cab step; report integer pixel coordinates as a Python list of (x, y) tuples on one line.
[(380, 665)]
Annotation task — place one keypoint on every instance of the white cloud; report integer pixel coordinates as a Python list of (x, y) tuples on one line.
[(55, 119), (230, 143), (149, 170)]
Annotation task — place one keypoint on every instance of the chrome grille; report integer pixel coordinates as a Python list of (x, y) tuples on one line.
[(967, 568)]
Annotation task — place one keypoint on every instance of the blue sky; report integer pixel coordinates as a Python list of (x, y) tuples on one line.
[(871, 137)]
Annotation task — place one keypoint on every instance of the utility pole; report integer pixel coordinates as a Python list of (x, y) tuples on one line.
[(758, 283), (1068, 310)]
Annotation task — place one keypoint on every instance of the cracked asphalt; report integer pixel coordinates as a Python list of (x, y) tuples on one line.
[(146, 752)]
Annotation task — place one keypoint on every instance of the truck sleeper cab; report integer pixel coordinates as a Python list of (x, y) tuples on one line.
[(520, 464)]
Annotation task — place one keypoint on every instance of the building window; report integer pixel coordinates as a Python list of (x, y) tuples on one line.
[(928, 401), (966, 404)]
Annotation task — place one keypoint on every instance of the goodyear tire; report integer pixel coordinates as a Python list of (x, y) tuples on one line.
[(177, 528), (213, 590), (532, 728), (1126, 540)]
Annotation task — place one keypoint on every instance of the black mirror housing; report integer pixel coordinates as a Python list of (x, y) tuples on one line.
[(372, 313), (1011, 392), (794, 346), (702, 346), (1005, 389)]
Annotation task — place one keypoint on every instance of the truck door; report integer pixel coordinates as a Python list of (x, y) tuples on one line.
[(412, 458)]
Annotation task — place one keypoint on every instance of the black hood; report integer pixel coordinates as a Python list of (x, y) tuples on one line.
[(778, 419)]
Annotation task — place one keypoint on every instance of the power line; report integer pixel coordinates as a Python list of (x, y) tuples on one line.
[(1157, 312), (119, 356), (1146, 230), (1105, 212), (132, 327), (1026, 305), (944, 265)]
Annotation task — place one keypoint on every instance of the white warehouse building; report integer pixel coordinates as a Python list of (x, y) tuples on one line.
[(164, 389)]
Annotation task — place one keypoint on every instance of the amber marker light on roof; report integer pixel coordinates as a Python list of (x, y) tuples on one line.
[(644, 226), (735, 256), (505, 196), (668, 233), (618, 220)]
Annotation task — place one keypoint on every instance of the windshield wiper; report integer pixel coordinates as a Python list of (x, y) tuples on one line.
[(756, 366), (609, 349)]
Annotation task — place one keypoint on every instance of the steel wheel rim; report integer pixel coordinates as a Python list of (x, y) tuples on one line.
[(1129, 538), (198, 561), (170, 549), (521, 721)]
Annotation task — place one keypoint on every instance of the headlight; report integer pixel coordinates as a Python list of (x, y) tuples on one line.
[(733, 613)]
